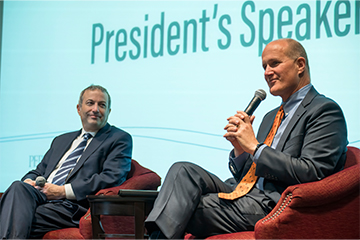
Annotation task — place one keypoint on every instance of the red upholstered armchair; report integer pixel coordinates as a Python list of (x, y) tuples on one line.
[(138, 178), (326, 209)]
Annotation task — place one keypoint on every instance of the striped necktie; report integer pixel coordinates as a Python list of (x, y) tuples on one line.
[(249, 180), (70, 161)]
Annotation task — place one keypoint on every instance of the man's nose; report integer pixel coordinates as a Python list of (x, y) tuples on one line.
[(95, 108), (268, 71)]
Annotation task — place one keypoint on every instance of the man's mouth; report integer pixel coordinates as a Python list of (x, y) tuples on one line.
[(271, 81), (94, 116)]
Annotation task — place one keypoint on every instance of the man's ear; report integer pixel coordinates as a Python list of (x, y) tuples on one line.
[(301, 63), (78, 108)]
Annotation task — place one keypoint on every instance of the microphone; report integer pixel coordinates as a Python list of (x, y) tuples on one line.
[(254, 103), (40, 181)]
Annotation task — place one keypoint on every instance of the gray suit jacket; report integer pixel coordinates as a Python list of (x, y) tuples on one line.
[(312, 147), (104, 163)]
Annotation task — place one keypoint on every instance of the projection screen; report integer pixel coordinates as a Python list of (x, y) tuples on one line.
[(175, 70)]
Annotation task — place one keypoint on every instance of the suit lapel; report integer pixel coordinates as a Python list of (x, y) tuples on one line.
[(300, 111), (99, 138), (60, 150), (267, 124)]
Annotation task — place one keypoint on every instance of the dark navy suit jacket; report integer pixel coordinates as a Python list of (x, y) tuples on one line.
[(312, 146), (105, 162)]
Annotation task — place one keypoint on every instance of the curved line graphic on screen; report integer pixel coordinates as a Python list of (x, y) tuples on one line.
[(38, 136), (51, 135)]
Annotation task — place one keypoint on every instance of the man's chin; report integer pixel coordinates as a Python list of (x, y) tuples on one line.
[(93, 126), (273, 92)]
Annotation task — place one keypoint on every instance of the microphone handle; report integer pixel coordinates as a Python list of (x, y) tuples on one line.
[(252, 105)]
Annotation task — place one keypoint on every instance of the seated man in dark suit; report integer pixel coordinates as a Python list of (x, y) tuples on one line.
[(77, 164), (302, 140)]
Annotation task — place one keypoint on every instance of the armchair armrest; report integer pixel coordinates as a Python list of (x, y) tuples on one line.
[(145, 181), (332, 204)]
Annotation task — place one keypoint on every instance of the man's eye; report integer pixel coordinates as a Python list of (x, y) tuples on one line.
[(274, 64), (89, 103)]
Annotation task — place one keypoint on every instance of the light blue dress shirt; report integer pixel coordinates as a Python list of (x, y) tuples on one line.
[(290, 107)]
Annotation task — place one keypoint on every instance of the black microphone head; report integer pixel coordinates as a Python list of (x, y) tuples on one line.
[(261, 94), (254, 103), (40, 181)]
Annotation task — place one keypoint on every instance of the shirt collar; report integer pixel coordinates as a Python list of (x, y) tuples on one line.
[(83, 132), (294, 99)]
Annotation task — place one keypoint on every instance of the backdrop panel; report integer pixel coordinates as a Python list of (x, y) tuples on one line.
[(176, 70)]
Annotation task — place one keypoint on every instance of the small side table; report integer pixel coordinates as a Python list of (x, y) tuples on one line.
[(137, 203)]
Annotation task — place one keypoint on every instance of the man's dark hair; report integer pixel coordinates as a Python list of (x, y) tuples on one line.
[(92, 88)]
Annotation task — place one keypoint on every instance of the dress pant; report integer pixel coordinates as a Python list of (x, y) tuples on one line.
[(188, 202), (26, 213)]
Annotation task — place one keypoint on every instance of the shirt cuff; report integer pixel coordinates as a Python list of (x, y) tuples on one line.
[(69, 192), (258, 153)]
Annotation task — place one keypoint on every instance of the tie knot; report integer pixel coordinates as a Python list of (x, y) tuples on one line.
[(281, 109), (280, 114), (87, 136)]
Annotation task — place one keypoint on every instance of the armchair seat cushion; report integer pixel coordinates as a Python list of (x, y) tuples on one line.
[(70, 233)]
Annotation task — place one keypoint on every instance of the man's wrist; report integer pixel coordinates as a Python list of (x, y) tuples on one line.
[(257, 148)]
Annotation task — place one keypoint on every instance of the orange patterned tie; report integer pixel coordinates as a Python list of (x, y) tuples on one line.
[(250, 178)]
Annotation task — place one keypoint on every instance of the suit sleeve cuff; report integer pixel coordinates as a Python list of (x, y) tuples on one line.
[(237, 162)]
